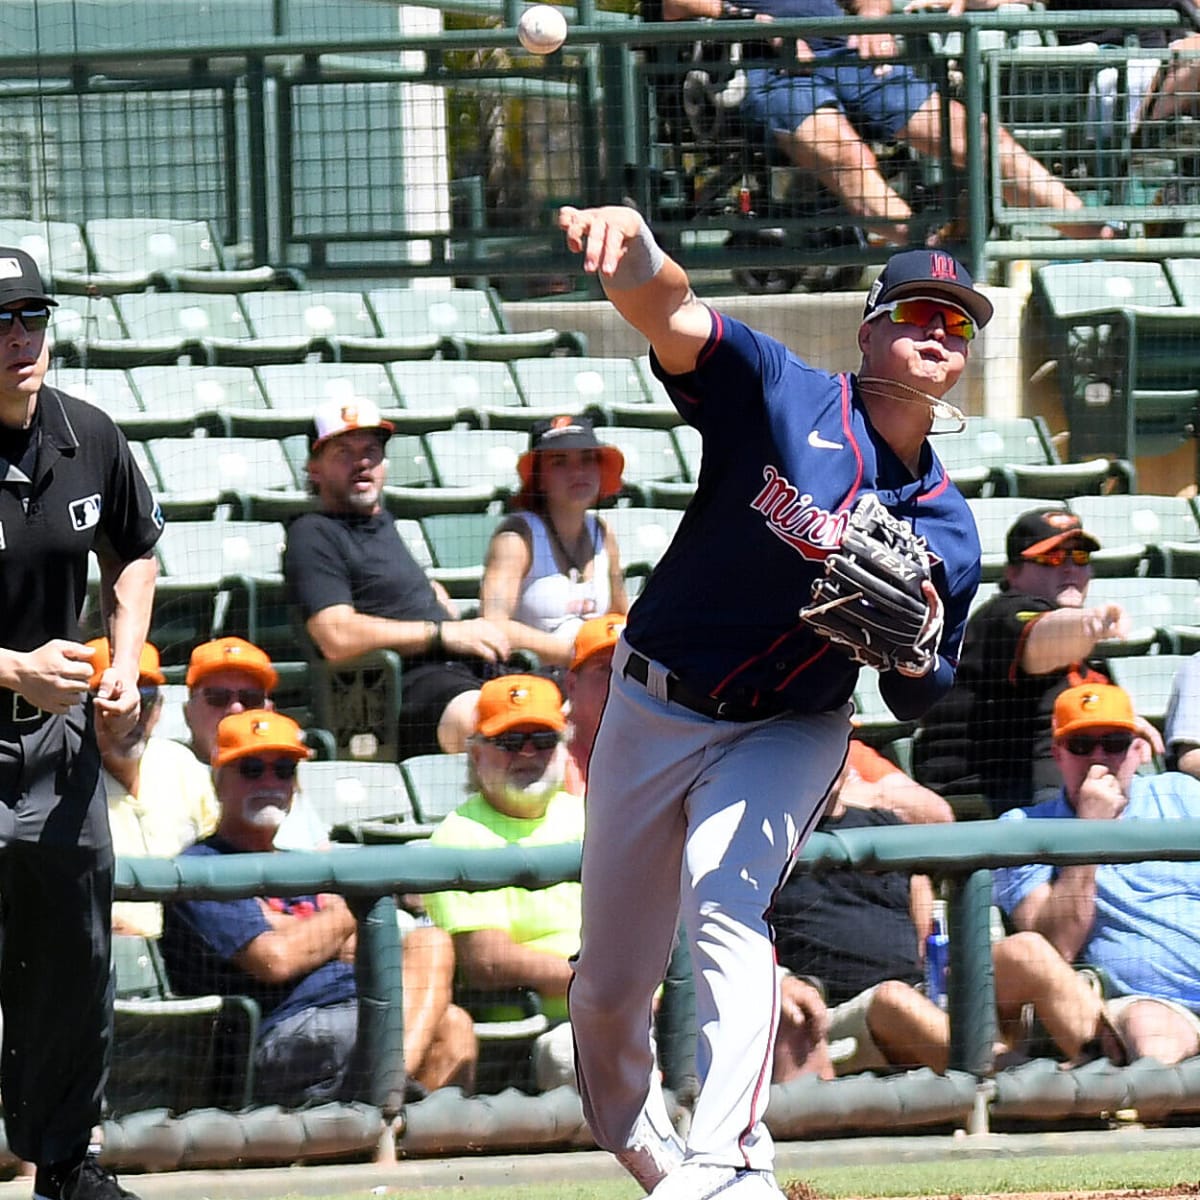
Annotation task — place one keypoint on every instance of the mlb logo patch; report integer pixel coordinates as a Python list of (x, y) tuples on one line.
[(85, 512)]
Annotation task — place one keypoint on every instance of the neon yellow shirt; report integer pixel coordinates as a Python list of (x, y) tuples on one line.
[(545, 919)]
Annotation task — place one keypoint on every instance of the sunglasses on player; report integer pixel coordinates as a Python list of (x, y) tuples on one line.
[(1108, 743), (923, 313), (514, 741), (219, 697), (1056, 558), (283, 769), (34, 319)]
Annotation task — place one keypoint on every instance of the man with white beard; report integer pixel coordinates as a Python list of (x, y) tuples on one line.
[(294, 955), (517, 938)]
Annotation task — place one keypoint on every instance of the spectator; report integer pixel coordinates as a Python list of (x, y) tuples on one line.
[(862, 934), (820, 99), (1182, 730), (587, 689), (515, 937), (359, 589), (160, 799), (871, 781), (230, 675), (1138, 922), (294, 956), (991, 734), (554, 563)]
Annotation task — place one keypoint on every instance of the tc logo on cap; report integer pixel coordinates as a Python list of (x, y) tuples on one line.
[(942, 266)]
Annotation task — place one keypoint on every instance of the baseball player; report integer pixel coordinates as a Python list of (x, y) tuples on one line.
[(68, 486), (728, 715)]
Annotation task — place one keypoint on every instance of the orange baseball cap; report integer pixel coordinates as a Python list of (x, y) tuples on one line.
[(149, 669), (600, 633), (514, 700), (1092, 705), (256, 731), (231, 654)]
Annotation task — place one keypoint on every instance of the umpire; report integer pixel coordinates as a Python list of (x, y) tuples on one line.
[(69, 486)]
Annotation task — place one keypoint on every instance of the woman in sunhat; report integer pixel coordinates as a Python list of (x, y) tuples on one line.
[(553, 563)]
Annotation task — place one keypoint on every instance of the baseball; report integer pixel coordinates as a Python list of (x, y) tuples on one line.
[(542, 29)]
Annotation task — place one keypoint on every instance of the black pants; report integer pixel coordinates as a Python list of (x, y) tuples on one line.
[(56, 881)]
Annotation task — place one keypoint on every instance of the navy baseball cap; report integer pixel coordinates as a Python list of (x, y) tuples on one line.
[(931, 274), (20, 278)]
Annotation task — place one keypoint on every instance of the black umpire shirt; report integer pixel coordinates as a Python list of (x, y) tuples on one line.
[(86, 493)]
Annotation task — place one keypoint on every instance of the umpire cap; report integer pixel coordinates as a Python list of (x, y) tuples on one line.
[(20, 278)]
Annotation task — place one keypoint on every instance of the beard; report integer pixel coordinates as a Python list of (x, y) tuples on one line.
[(530, 799)]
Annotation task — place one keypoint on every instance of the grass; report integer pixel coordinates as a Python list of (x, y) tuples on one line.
[(1168, 1168)]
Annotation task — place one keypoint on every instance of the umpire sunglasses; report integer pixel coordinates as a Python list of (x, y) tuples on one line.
[(34, 319), (923, 313)]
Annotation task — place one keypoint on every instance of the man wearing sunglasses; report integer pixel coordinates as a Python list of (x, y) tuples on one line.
[(226, 676), (68, 487), (1138, 922), (991, 735), (294, 955), (513, 937), (158, 818), (728, 717)]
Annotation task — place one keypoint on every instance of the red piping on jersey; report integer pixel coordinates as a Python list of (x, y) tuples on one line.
[(808, 662), (749, 662), (938, 490), (848, 433), (718, 332)]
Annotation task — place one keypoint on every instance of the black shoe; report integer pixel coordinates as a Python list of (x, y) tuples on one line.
[(90, 1181)]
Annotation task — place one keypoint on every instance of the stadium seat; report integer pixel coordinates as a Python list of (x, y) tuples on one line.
[(470, 319), (440, 392), (483, 460), (57, 247), (643, 534), (233, 466), (202, 549), (302, 323), (437, 784), (342, 794), (1184, 276), (358, 701), (988, 443), (110, 390), (1155, 607), (132, 253), (175, 1053), (187, 323), (1153, 527), (651, 458), (179, 400), (78, 321), (1148, 679), (458, 543), (687, 438), (578, 385)]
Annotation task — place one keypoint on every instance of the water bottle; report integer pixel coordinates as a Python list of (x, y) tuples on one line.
[(937, 957)]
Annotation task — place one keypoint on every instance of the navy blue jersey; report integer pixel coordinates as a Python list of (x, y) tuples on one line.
[(787, 450)]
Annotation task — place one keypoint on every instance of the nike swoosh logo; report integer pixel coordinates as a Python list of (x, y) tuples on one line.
[(818, 442)]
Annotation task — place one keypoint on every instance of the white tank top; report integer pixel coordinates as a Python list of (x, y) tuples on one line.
[(548, 599)]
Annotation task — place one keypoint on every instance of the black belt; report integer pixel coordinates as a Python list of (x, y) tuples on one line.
[(637, 668), (16, 710)]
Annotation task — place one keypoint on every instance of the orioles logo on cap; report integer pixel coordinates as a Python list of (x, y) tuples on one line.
[(518, 695), (350, 414), (1089, 700), (1062, 520), (262, 728)]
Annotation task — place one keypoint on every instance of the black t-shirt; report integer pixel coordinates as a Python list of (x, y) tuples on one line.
[(851, 929), (338, 558), (87, 495), (991, 732)]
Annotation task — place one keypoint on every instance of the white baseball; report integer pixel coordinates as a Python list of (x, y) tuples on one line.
[(542, 29)]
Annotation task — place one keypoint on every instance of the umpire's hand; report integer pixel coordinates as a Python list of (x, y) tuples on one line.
[(55, 676)]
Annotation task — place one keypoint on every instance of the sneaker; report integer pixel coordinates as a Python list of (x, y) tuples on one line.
[(652, 1154), (90, 1181), (702, 1181)]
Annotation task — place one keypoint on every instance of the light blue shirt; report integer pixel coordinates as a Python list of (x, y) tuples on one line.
[(1146, 932)]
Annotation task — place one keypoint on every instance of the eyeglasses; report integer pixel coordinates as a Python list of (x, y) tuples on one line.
[(1056, 558), (34, 319), (217, 697), (1108, 743), (923, 313), (255, 768), (514, 741)]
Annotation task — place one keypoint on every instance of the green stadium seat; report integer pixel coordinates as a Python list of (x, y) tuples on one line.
[(989, 444), (643, 535), (413, 536), (687, 438), (438, 393), (437, 784), (233, 467), (308, 316), (1155, 607), (484, 460), (1184, 276), (293, 392), (179, 400), (188, 322), (203, 550), (1148, 679), (342, 793), (653, 408), (110, 390), (577, 385), (57, 247), (1155, 526), (358, 701), (458, 543), (651, 458), (175, 1053), (80, 320), (1068, 289)]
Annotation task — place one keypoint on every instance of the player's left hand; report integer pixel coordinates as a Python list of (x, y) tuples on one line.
[(118, 703)]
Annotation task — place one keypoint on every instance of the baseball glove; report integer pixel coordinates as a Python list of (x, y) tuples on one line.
[(870, 600)]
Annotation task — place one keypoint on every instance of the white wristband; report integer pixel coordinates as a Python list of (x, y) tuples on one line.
[(642, 260)]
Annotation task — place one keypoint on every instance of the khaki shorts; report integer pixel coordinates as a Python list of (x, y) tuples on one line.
[(1119, 1004)]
